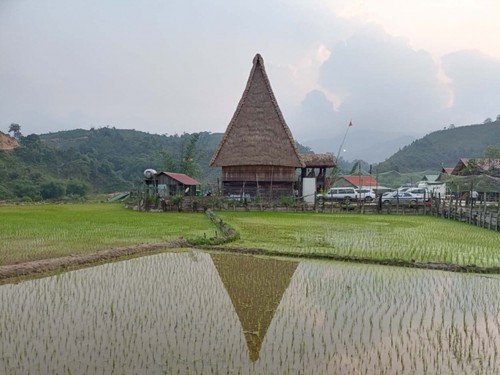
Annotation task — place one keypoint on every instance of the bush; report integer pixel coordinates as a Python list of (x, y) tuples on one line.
[(52, 190), (79, 188), (27, 189), (287, 200)]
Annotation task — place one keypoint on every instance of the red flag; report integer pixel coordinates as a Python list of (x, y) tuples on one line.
[(350, 123)]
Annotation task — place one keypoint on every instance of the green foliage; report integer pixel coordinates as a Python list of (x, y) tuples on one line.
[(189, 165), (15, 129), (23, 189), (127, 153), (377, 237), (52, 190), (31, 232), (443, 148), (80, 188), (394, 179), (287, 200), (492, 152)]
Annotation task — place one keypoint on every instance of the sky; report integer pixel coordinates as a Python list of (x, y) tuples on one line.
[(396, 69)]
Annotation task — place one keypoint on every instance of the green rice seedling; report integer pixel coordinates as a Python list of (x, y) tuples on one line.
[(373, 237), (45, 231)]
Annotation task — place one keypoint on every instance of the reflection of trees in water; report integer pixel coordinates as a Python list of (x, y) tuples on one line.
[(255, 286)]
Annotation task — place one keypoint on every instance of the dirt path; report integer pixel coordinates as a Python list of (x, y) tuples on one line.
[(472, 268), (48, 265)]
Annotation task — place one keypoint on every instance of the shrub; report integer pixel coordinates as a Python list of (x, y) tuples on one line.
[(52, 190), (79, 188), (287, 200)]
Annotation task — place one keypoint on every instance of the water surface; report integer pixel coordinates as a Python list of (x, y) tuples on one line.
[(202, 313)]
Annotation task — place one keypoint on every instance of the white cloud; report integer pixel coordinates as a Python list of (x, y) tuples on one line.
[(170, 66)]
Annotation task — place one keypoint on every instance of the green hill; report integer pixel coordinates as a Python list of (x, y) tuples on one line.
[(130, 152), (443, 148), (77, 162)]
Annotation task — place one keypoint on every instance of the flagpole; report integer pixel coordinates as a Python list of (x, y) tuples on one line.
[(340, 149), (343, 140)]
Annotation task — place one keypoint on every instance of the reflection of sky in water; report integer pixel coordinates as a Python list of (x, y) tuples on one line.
[(192, 313)]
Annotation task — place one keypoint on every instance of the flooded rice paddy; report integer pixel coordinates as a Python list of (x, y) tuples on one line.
[(200, 313)]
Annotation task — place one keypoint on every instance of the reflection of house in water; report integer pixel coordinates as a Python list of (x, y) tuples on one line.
[(255, 286)]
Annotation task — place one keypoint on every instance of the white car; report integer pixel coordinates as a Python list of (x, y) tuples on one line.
[(365, 194), (340, 194), (421, 193)]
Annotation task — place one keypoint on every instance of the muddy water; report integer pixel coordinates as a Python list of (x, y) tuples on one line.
[(202, 313)]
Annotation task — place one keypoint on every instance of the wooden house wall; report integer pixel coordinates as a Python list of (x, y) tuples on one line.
[(258, 173), (264, 182), (174, 187), (166, 180), (263, 191)]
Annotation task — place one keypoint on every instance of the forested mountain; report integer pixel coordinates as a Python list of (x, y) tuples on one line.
[(76, 162), (130, 152), (443, 148)]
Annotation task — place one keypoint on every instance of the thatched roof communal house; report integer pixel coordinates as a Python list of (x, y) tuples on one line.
[(258, 154)]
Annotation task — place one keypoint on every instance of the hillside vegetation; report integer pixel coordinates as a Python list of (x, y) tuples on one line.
[(443, 148), (78, 162)]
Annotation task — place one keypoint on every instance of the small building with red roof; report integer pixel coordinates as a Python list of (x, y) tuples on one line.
[(170, 184), (356, 182)]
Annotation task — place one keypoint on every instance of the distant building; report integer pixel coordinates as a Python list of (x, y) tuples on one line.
[(167, 184), (433, 184), (316, 165), (476, 166), (446, 171), (356, 182)]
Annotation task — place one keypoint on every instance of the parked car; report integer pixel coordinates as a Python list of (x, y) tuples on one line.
[(420, 192), (239, 197), (365, 194), (339, 194), (403, 198)]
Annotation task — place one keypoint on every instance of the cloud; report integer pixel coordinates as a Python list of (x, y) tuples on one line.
[(169, 66), (384, 83), (390, 91), (475, 80)]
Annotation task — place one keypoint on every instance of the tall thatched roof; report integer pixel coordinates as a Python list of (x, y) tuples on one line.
[(257, 133)]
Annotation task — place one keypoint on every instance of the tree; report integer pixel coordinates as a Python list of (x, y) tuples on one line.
[(487, 121), (168, 161), (189, 165), (498, 117), (52, 190), (80, 188), (16, 130), (492, 154)]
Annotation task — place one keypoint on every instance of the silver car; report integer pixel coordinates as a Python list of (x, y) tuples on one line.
[(403, 198)]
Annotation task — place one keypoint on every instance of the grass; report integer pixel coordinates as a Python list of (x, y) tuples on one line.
[(34, 232), (400, 237)]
